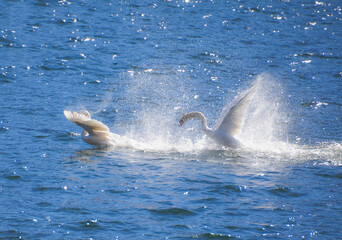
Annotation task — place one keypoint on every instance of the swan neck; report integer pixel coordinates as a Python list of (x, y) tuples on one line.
[(203, 121), (85, 134), (200, 116)]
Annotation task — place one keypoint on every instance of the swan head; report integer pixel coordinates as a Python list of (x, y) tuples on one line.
[(185, 118), (191, 115)]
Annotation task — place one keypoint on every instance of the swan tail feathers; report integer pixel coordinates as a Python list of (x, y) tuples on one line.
[(83, 120), (74, 116)]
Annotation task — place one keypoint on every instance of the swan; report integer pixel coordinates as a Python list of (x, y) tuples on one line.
[(230, 123), (94, 132)]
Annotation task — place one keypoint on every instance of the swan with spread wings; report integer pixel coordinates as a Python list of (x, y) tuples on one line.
[(231, 120)]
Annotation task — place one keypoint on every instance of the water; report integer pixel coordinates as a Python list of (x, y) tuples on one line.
[(138, 66)]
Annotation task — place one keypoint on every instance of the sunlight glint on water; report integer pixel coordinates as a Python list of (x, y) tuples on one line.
[(138, 66)]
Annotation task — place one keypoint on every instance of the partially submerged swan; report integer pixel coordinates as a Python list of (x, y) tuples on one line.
[(94, 132), (230, 122)]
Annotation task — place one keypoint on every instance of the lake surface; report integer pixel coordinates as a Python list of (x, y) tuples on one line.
[(138, 66)]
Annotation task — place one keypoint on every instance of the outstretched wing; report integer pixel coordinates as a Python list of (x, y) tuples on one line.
[(233, 117), (84, 121)]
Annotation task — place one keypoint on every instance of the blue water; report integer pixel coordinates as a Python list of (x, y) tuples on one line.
[(138, 66)]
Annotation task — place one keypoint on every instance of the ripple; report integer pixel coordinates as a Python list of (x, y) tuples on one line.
[(231, 227), (234, 188), (90, 224), (53, 67), (44, 189), (3, 129), (314, 104), (284, 192), (330, 175), (115, 191), (237, 19), (6, 40), (44, 204), (323, 55), (13, 177), (41, 136), (173, 211), (228, 189), (41, 4), (180, 226), (66, 136), (63, 22), (247, 42), (73, 210), (4, 80), (213, 236), (10, 234)]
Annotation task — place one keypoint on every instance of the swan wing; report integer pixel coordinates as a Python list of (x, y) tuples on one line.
[(84, 121), (232, 118)]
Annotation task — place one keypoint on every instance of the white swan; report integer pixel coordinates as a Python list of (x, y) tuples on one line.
[(94, 132), (230, 122)]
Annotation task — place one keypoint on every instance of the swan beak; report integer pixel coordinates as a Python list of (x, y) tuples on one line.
[(181, 122)]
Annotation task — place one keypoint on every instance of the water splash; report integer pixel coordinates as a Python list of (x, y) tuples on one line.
[(160, 100), (265, 126), (156, 100)]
